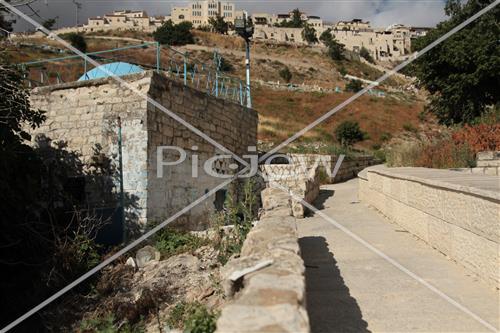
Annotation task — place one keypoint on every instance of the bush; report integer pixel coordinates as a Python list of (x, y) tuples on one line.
[(192, 317), (174, 34), (285, 74), (385, 136), (348, 132), (364, 53), (240, 213), (410, 128), (480, 137), (171, 242), (77, 41), (354, 86), (224, 65)]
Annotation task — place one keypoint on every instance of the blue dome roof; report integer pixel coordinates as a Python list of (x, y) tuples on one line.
[(117, 68)]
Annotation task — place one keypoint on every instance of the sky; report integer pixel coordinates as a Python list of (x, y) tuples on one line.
[(380, 13)]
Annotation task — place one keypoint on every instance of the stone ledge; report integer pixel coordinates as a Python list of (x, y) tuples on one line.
[(450, 217), (488, 192), (270, 296)]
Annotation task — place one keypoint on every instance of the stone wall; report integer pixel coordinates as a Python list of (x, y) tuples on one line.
[(292, 177), (267, 282), (349, 168), (85, 113), (456, 214), (487, 163)]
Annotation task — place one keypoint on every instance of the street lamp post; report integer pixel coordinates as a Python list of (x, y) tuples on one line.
[(244, 28)]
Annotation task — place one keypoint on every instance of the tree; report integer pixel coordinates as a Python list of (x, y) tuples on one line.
[(354, 86), (461, 74), (219, 25), (309, 34), (364, 53), (335, 49), (295, 22), (285, 74), (5, 21), (77, 41), (348, 133), (174, 34), (49, 23)]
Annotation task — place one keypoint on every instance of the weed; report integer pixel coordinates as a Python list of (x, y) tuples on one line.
[(192, 317), (240, 215), (171, 242), (107, 324), (410, 128), (385, 136)]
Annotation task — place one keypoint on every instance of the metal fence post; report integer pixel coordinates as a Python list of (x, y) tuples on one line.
[(185, 69), (158, 57)]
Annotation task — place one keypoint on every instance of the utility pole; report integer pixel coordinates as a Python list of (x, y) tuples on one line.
[(78, 6), (244, 28)]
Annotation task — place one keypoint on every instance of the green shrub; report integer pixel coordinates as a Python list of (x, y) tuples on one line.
[(285, 74), (348, 132), (174, 34), (410, 128), (192, 317), (240, 214), (77, 40), (385, 136), (224, 65), (380, 155), (364, 53), (354, 86), (170, 242)]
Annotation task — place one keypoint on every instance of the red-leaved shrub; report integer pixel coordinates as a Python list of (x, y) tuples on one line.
[(482, 137)]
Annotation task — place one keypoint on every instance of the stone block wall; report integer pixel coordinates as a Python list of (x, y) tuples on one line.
[(86, 113), (267, 282), (487, 163), (292, 177), (444, 210), (349, 168)]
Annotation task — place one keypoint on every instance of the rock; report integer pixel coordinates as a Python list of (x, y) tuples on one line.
[(145, 255), (131, 262)]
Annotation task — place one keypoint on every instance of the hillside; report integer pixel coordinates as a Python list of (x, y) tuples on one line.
[(283, 107)]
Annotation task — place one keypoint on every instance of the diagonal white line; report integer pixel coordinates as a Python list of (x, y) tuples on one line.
[(396, 69), (384, 256), (123, 82)]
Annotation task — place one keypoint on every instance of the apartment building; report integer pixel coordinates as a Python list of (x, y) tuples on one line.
[(199, 12), (270, 20), (124, 20)]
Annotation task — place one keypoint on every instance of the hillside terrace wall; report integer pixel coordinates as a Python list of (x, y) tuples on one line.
[(86, 113), (266, 283), (456, 213)]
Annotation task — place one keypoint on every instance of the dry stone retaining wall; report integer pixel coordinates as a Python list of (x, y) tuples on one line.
[(267, 281), (439, 207), (85, 113)]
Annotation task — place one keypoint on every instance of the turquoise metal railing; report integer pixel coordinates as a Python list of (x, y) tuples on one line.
[(207, 77)]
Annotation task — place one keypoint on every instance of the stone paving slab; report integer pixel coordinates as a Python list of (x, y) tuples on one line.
[(351, 289)]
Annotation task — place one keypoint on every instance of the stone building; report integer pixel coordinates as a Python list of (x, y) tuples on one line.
[(123, 20), (199, 12), (391, 44), (85, 113)]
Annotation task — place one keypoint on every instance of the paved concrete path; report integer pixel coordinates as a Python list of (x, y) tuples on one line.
[(351, 289)]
